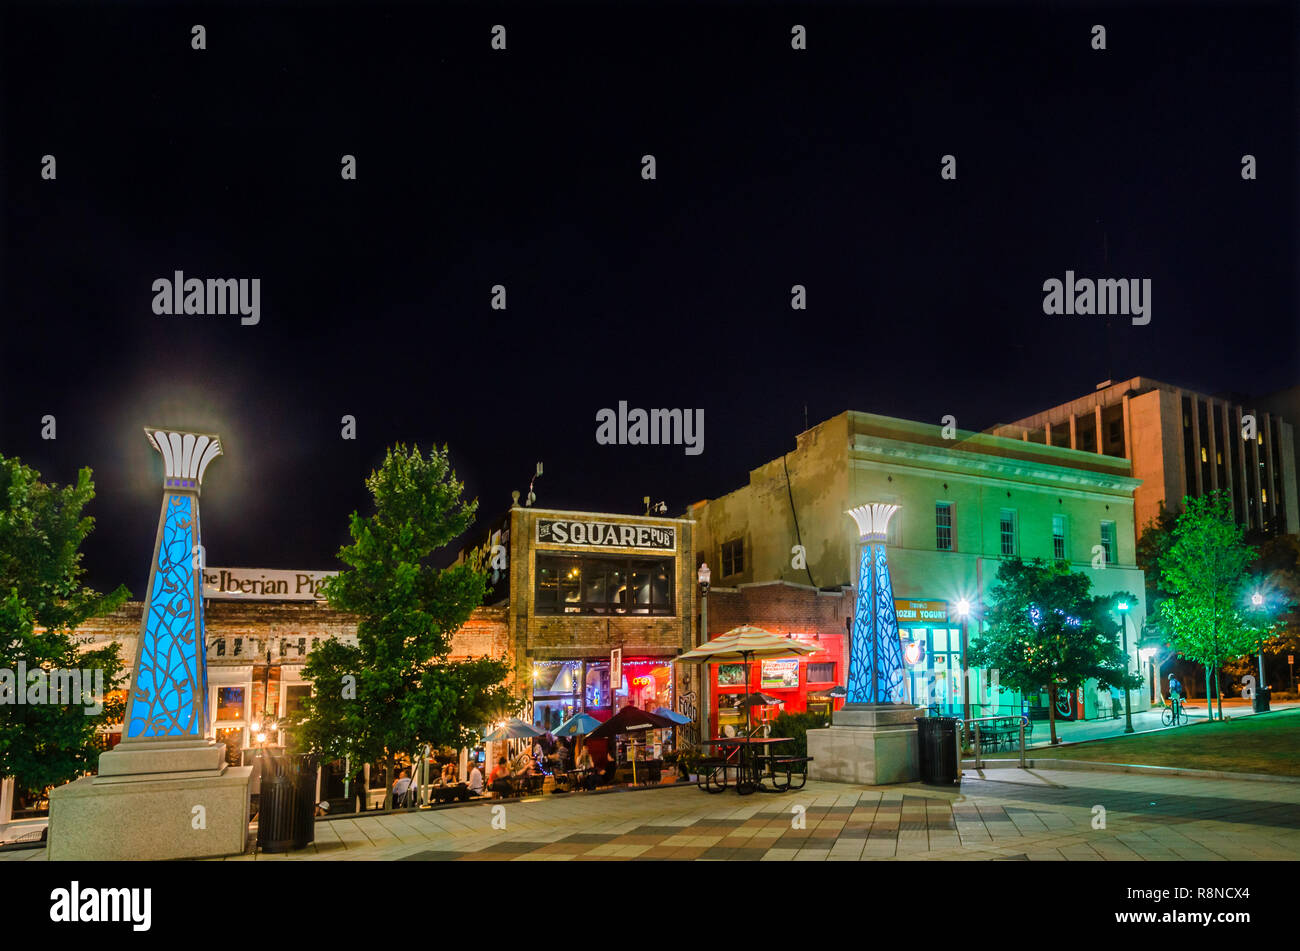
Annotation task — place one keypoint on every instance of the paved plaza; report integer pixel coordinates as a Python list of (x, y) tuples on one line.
[(1003, 814)]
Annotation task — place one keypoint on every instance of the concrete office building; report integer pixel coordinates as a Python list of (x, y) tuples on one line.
[(1182, 443), (967, 502)]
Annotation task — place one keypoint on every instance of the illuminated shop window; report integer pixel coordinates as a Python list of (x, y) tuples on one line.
[(582, 585)]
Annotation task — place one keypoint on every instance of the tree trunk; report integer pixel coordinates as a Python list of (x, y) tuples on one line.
[(1209, 701), (1218, 692), (1051, 712)]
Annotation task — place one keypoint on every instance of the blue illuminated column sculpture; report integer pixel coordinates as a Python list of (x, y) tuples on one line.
[(166, 791), (875, 653), (169, 692)]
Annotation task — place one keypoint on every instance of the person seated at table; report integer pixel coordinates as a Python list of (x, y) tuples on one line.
[(563, 756), (475, 781), (584, 760), (401, 788), (449, 774), (499, 781)]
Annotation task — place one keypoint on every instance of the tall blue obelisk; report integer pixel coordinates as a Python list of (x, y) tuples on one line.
[(875, 653), (165, 791), (169, 690), (872, 739)]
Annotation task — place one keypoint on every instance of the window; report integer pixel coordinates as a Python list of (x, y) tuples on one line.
[(943, 526), (571, 585), (230, 703), (1108, 541), (1007, 521), (733, 558), (1059, 550), (821, 673)]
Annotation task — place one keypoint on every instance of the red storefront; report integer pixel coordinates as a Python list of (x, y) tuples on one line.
[(815, 618)]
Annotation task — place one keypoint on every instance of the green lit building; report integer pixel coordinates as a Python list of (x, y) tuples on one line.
[(968, 500)]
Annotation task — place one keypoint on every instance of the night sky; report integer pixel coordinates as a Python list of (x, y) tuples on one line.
[(523, 168)]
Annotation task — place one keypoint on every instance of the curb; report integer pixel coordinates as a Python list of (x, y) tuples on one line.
[(1086, 766)]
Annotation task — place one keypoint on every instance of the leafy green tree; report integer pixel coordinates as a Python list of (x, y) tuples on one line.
[(1205, 573), (1047, 628), (1275, 577), (42, 601), (395, 689), (1157, 536)]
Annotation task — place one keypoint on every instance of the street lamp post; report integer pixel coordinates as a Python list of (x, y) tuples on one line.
[(1257, 601), (963, 611), (1128, 706), (703, 635)]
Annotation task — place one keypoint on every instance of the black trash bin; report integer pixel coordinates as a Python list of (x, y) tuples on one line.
[(937, 750), (286, 817), (1260, 703), (303, 771)]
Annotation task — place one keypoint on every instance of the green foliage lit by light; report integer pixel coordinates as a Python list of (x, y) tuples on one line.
[(395, 689), (1047, 629), (42, 602), (1204, 571)]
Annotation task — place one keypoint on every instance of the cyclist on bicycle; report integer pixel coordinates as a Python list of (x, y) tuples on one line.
[(1176, 695)]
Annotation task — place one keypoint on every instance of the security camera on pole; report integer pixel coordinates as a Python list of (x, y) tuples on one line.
[(873, 737)]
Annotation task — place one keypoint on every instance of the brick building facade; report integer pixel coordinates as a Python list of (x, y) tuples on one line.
[(820, 619)]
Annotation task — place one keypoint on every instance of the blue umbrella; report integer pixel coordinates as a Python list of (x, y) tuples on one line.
[(679, 718), (514, 729), (579, 725)]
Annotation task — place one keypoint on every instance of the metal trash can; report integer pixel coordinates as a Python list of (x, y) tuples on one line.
[(937, 750), (286, 817), (1260, 702), (303, 771)]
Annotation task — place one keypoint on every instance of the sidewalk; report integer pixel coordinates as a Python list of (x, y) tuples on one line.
[(1005, 814), (1068, 731)]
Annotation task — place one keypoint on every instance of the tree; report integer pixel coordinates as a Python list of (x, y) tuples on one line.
[(395, 689), (1205, 572), (42, 602), (1275, 577), (1047, 628)]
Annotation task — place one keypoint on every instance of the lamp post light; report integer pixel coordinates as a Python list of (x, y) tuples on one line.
[(1257, 601), (963, 612), (1128, 706), (703, 577)]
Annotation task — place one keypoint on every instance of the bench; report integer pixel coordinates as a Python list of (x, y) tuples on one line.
[(791, 766)]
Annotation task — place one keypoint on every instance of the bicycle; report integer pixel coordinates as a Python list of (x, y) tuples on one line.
[(1173, 712)]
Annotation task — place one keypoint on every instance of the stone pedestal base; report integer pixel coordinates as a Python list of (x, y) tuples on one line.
[(866, 744), (144, 803)]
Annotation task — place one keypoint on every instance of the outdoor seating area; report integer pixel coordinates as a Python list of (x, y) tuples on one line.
[(1000, 734)]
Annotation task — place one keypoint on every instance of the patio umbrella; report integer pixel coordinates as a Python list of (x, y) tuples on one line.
[(514, 729), (837, 691), (630, 720), (680, 719), (760, 699), (745, 643), (577, 725)]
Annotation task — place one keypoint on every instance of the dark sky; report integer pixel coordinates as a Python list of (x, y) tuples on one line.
[(522, 168)]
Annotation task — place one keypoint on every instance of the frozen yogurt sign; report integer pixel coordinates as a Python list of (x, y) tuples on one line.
[(552, 531)]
